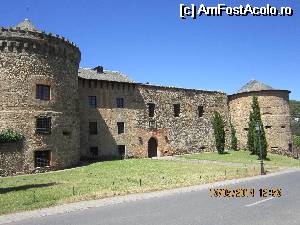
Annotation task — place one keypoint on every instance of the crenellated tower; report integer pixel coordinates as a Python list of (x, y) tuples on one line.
[(39, 98)]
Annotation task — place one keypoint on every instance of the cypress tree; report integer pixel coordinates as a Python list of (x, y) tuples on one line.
[(252, 137), (219, 132), (233, 138), (253, 140)]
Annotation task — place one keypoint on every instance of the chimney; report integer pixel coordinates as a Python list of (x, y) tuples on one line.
[(99, 69)]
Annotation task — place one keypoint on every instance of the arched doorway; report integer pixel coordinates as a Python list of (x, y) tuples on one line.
[(152, 147)]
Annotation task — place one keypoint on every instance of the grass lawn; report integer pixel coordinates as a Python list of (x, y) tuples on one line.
[(245, 157), (106, 179)]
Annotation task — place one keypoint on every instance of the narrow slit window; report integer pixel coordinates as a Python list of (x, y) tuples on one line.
[(121, 127), (176, 110), (200, 111), (151, 108)]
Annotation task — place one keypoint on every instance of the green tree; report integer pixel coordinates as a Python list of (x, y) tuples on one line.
[(295, 117), (253, 138), (219, 132), (233, 138)]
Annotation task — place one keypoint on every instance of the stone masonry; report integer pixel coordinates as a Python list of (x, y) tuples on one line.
[(100, 114)]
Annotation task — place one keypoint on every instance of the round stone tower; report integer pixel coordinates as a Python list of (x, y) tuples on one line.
[(275, 113), (39, 99)]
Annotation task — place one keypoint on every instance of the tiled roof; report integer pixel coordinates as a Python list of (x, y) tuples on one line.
[(254, 85), (26, 25), (106, 75)]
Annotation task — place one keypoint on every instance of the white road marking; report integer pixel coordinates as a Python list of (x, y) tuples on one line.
[(261, 201)]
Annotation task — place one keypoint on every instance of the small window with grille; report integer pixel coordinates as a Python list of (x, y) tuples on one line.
[(93, 128), (92, 102), (42, 158), (120, 102), (43, 92), (43, 125), (94, 151)]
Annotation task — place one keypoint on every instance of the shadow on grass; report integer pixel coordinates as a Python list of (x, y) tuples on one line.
[(225, 153), (25, 187)]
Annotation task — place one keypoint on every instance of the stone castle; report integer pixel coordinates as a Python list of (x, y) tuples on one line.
[(67, 113)]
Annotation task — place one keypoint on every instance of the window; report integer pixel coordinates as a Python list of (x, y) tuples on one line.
[(141, 141), (93, 128), (66, 132), (290, 147), (121, 151), (92, 101), (176, 110), (268, 127), (43, 125), (152, 124), (151, 108), (121, 127), (42, 158), (200, 111), (120, 102), (43, 92), (94, 152)]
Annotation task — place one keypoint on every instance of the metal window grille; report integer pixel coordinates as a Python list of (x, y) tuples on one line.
[(120, 102), (42, 92), (42, 158), (152, 124), (92, 101), (43, 125)]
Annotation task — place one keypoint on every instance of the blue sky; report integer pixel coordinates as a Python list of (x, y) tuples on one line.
[(148, 41)]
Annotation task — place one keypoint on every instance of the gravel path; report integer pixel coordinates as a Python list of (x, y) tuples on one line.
[(173, 158)]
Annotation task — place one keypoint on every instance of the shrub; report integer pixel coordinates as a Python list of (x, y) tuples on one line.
[(9, 135), (296, 141), (219, 132)]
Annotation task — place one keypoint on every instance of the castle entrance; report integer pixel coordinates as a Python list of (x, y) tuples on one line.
[(152, 147)]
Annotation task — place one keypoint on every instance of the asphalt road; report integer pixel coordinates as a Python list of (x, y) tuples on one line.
[(195, 208)]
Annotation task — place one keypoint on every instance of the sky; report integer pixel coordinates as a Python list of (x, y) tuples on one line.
[(148, 41)]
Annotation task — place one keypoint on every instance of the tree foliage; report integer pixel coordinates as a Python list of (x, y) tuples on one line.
[(253, 135), (219, 132), (295, 117), (233, 138)]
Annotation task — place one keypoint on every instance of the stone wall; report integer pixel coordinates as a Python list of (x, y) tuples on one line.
[(27, 59), (275, 114), (174, 135)]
